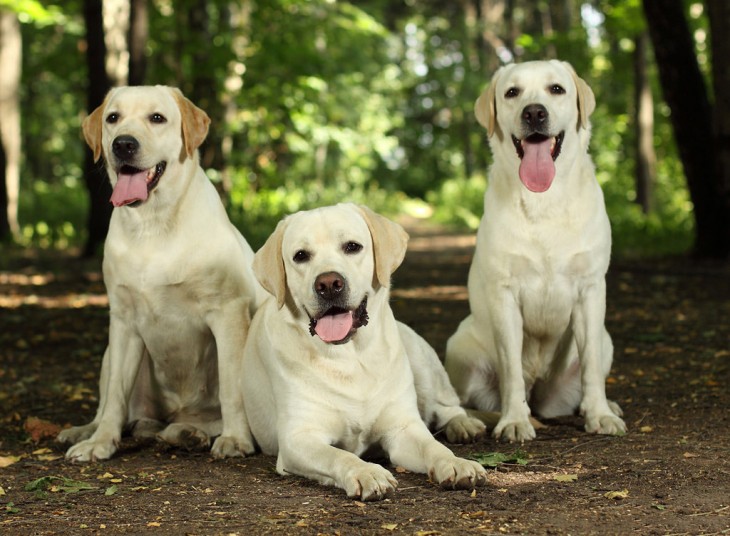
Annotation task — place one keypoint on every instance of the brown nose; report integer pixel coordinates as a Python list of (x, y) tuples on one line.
[(329, 285)]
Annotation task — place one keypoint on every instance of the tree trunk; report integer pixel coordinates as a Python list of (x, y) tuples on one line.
[(97, 182), (644, 125), (685, 93), (10, 60), (719, 15), (138, 34)]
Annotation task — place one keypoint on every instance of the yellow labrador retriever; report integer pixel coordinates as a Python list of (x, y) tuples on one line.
[(180, 284), (535, 338), (329, 373)]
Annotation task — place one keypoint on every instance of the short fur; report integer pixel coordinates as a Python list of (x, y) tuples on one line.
[(535, 338), (319, 406), (181, 289)]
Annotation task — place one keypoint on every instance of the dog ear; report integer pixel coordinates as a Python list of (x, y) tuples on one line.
[(485, 107), (268, 265), (586, 99), (91, 128), (195, 122), (390, 241)]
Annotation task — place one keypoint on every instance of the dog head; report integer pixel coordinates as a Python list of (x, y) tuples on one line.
[(326, 263), (534, 112), (141, 131)]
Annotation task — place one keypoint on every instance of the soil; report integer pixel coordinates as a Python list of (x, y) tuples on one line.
[(669, 475)]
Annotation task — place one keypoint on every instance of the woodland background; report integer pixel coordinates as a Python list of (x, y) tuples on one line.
[(319, 101)]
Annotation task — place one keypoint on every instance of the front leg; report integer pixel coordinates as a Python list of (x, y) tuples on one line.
[(595, 352), (514, 423), (230, 328), (311, 454), (411, 445), (119, 371)]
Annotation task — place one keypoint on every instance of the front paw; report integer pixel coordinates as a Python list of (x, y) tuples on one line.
[(370, 482), (76, 434), (457, 473), (607, 423), (185, 436), (514, 431), (91, 451), (231, 447), (463, 429)]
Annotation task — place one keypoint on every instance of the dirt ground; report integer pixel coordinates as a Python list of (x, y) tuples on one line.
[(669, 475)]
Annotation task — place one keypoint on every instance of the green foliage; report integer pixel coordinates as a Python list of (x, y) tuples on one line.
[(326, 101), (495, 459)]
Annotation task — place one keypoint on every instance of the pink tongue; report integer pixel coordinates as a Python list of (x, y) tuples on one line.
[(129, 188), (332, 328), (537, 168)]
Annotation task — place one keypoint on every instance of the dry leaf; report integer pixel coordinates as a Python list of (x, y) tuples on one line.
[(646, 429), (8, 460), (690, 455), (153, 524), (566, 478), (40, 429), (617, 495), (389, 526)]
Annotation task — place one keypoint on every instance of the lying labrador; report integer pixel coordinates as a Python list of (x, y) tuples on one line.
[(329, 373), (180, 284), (535, 338)]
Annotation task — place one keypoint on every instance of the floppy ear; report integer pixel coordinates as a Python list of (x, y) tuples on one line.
[(485, 107), (195, 122), (390, 241), (268, 265), (586, 99), (91, 127)]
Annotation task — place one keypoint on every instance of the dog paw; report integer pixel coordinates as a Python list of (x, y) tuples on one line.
[(370, 482), (91, 451), (609, 424), (463, 429), (231, 447), (457, 473), (518, 431), (615, 408), (76, 434), (185, 436)]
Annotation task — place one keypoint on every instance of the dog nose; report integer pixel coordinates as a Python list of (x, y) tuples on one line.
[(125, 146), (534, 115), (329, 285)]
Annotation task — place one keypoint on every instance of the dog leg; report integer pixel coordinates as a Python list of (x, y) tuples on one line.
[(596, 353), (230, 329), (185, 435), (123, 358), (310, 456), (414, 448)]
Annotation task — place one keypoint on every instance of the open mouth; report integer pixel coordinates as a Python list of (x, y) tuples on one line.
[(134, 185), (337, 325), (556, 143), (537, 153)]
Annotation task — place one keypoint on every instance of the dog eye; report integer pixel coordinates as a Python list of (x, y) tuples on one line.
[(351, 247), (557, 89), (301, 256), (112, 117), (512, 93), (158, 118)]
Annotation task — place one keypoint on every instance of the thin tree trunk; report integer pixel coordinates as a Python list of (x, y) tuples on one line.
[(97, 182), (644, 125), (719, 15), (138, 35), (685, 93), (10, 69)]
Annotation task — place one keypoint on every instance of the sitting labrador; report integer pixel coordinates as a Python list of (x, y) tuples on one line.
[(535, 340), (329, 373), (180, 284)]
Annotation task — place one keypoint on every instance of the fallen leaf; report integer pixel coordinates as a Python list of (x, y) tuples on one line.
[(2, 491), (617, 495), (57, 483), (566, 478), (111, 490), (389, 526), (40, 429), (690, 455), (153, 524), (8, 460), (646, 429), (494, 459)]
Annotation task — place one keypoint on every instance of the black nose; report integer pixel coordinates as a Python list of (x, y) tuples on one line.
[(329, 285), (534, 116), (125, 147)]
